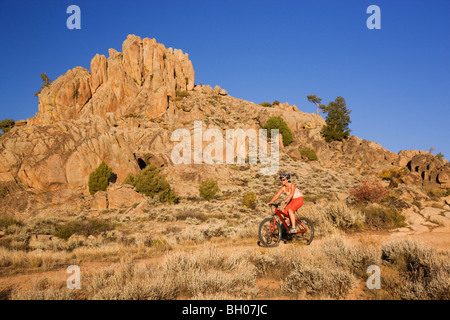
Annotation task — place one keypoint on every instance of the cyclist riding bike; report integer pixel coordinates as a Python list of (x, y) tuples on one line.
[(294, 200)]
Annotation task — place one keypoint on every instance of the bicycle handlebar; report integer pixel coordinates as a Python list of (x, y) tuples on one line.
[(276, 205)]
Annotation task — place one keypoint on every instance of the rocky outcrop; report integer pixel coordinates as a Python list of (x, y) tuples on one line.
[(141, 80), (426, 169), (124, 111), (62, 155)]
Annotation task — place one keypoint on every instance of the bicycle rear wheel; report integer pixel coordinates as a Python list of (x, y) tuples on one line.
[(306, 233), (269, 232)]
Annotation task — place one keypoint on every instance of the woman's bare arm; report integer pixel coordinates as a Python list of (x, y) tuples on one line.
[(276, 196)]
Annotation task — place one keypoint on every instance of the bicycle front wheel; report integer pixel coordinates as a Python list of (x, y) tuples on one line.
[(269, 232)]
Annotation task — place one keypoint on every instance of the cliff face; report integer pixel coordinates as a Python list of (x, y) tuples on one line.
[(143, 79)]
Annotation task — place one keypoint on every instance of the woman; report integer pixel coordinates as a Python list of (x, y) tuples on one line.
[(294, 199)]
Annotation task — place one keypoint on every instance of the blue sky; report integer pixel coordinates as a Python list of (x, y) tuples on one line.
[(396, 80)]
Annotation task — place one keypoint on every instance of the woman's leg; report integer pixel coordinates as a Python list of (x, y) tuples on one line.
[(292, 217), (293, 205)]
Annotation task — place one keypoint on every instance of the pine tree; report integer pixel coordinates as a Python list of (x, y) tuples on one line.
[(316, 100), (337, 120)]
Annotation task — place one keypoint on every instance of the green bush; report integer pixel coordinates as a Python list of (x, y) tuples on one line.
[(130, 179), (278, 123), (151, 182), (85, 228), (275, 103), (249, 200), (309, 152), (100, 178), (208, 189), (182, 94), (265, 104), (7, 124)]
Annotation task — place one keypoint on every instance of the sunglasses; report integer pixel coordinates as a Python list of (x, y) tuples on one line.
[(283, 179)]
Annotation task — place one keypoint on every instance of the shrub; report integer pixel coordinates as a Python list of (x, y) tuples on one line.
[(7, 124), (7, 221), (435, 192), (85, 228), (332, 282), (388, 174), (45, 83), (425, 270), (343, 217), (278, 123), (368, 191), (275, 103), (182, 94), (100, 178), (265, 104), (249, 200), (351, 257), (309, 152), (130, 179), (151, 182), (208, 189), (381, 217)]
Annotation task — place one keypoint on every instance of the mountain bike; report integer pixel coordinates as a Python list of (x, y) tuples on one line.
[(272, 229)]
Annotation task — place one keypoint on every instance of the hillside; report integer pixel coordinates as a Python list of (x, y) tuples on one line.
[(124, 112)]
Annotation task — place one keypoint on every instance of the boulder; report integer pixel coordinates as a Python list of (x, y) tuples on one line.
[(20, 123), (99, 200), (123, 195), (447, 200), (412, 178)]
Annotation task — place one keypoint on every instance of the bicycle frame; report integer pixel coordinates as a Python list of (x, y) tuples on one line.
[(280, 215)]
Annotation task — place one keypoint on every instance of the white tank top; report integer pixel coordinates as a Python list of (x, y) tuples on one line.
[(297, 193)]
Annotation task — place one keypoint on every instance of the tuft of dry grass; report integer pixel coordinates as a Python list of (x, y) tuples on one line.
[(426, 272)]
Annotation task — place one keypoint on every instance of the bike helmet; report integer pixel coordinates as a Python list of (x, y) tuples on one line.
[(285, 176)]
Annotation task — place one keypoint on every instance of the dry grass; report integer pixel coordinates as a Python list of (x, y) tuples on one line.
[(425, 272), (331, 270), (168, 253)]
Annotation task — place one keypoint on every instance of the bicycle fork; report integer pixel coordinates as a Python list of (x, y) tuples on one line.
[(272, 225)]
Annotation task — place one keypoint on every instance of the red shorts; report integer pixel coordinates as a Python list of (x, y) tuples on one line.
[(294, 204)]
